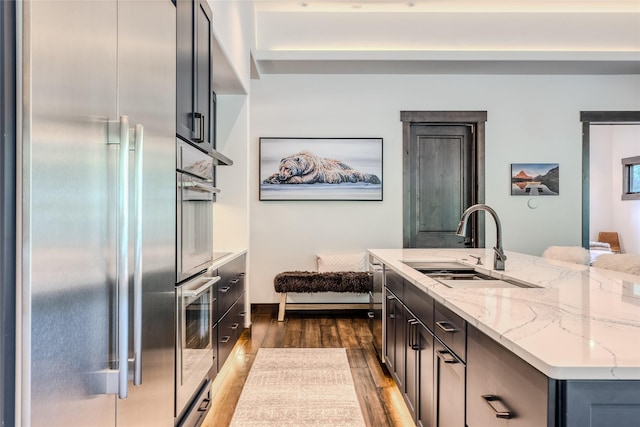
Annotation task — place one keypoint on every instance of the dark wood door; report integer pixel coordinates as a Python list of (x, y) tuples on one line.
[(441, 169)]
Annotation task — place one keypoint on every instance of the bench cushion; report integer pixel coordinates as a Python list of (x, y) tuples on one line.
[(307, 281)]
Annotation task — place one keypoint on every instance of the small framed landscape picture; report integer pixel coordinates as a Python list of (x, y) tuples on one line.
[(535, 179), (321, 169)]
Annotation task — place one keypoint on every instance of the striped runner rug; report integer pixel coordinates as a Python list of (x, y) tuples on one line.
[(299, 387)]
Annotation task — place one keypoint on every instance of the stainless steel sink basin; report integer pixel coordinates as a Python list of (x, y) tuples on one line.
[(457, 275)]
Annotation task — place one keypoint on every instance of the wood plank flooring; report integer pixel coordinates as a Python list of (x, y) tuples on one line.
[(381, 402)]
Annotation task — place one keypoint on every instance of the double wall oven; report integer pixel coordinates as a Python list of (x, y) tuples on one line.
[(195, 195), (195, 290)]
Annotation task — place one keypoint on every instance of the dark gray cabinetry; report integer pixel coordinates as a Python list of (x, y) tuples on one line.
[(450, 332), (410, 347), (395, 338), (376, 300), (194, 102), (599, 403), (419, 391), (502, 389), (231, 312), (451, 374), (449, 382)]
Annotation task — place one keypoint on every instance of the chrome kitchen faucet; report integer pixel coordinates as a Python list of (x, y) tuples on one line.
[(499, 257)]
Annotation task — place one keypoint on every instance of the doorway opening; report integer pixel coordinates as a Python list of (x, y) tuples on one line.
[(593, 123), (443, 174)]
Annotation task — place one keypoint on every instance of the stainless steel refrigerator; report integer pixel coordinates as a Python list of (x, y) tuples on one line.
[(96, 251)]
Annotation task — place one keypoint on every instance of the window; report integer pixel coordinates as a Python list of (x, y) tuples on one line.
[(631, 178)]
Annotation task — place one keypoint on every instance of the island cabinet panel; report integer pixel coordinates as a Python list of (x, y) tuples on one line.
[(502, 389), (600, 403), (419, 370), (394, 282), (395, 338), (449, 384), (409, 346), (451, 329)]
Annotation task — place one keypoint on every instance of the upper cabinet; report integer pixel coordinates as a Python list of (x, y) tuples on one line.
[(195, 100)]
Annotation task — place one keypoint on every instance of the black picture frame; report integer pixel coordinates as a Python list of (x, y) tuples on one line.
[(320, 169)]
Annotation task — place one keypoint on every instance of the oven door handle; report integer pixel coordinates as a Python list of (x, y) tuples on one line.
[(196, 186), (194, 293)]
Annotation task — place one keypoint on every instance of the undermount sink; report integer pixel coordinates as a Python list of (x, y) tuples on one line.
[(457, 275)]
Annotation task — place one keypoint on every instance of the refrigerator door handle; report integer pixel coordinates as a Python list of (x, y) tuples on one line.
[(137, 272), (123, 258)]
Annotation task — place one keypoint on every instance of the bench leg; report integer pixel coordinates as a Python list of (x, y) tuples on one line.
[(283, 306)]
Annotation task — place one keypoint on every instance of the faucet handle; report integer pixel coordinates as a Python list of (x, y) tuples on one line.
[(500, 254)]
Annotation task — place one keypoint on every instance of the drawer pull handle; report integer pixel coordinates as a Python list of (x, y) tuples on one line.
[(390, 297), (448, 329), (225, 339), (504, 413), (370, 314), (235, 326), (242, 313), (225, 289), (234, 281), (446, 356)]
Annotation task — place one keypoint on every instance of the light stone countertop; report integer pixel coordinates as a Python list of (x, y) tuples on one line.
[(581, 323)]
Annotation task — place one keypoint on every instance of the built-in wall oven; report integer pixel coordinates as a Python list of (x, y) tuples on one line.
[(195, 365), (195, 195)]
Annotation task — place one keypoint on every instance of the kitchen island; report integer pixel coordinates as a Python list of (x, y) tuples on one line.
[(576, 327)]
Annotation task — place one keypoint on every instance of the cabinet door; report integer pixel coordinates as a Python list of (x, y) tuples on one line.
[(502, 389), (185, 69), (412, 349), (395, 354), (194, 101), (390, 331), (400, 353), (425, 414), (204, 74), (449, 387)]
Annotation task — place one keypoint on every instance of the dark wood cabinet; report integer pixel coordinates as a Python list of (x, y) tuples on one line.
[(502, 389), (194, 98), (419, 392), (449, 386), (452, 374), (395, 339), (231, 312)]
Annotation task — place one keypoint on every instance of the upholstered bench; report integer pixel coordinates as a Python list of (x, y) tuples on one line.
[(358, 282)]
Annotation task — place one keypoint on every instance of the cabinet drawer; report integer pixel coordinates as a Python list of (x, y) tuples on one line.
[(394, 282), (231, 284), (420, 304), (451, 329), (229, 329), (502, 389)]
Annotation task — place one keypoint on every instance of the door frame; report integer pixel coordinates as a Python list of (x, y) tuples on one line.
[(477, 120), (589, 118), (8, 96)]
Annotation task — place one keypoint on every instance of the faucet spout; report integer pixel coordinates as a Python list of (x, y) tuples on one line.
[(499, 255)]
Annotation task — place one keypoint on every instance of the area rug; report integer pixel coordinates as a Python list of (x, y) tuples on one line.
[(299, 387)]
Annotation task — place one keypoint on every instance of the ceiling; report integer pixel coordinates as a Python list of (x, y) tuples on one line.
[(447, 36)]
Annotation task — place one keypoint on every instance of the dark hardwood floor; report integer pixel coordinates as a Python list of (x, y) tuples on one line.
[(380, 400)]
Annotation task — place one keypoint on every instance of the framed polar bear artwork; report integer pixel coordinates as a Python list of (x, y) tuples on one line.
[(320, 169)]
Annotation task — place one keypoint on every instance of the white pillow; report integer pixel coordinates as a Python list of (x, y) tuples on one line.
[(341, 262), (574, 254), (627, 263)]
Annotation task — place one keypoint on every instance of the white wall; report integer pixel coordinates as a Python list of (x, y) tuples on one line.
[(530, 119), (610, 144)]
